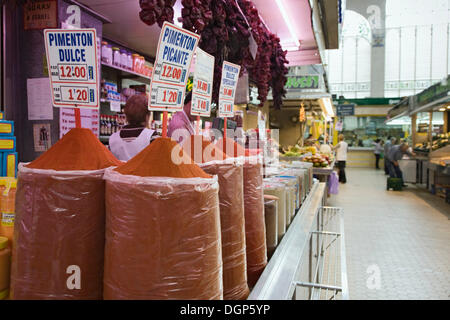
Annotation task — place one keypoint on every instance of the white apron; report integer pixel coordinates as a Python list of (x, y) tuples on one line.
[(124, 150)]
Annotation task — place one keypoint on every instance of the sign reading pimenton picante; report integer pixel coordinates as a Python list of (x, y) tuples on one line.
[(171, 69)]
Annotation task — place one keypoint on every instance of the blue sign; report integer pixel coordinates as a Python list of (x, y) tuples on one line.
[(345, 110)]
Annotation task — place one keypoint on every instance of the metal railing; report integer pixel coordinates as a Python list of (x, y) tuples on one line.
[(327, 265)]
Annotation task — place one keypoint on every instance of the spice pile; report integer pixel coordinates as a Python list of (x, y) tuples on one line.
[(232, 221), (162, 228), (255, 229), (60, 221)]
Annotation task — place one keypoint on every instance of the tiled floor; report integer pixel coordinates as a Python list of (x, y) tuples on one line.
[(397, 243)]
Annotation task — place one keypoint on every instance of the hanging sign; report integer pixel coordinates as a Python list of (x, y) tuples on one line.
[(171, 68), (40, 14), (203, 83), (345, 110), (230, 75), (72, 64)]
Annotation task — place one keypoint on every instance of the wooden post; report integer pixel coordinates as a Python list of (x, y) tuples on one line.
[(446, 121), (164, 125), (77, 118), (430, 129), (414, 129), (225, 128), (197, 127)]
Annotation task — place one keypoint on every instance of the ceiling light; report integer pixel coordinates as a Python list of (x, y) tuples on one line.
[(448, 107), (288, 22), (443, 109), (290, 48), (327, 106)]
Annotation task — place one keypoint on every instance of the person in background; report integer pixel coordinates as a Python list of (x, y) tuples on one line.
[(341, 157), (311, 142), (377, 151), (135, 136), (181, 124), (396, 153), (387, 146)]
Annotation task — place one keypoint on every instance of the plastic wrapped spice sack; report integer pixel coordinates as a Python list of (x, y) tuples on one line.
[(162, 233), (278, 190), (270, 214), (232, 221), (255, 229), (60, 220)]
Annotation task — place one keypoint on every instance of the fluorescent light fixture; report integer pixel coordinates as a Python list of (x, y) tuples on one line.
[(442, 109), (290, 48), (287, 20), (327, 106), (448, 107)]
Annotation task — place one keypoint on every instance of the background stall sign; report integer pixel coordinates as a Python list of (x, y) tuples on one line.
[(345, 110), (40, 14), (72, 61), (171, 68), (203, 84), (230, 76), (302, 82), (435, 92)]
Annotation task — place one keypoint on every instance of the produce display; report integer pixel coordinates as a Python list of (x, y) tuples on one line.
[(439, 141), (296, 151), (319, 160)]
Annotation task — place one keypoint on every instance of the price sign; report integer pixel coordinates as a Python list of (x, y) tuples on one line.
[(72, 64), (171, 69), (202, 85), (230, 76)]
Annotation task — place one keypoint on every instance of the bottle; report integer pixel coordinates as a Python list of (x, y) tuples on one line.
[(5, 267), (8, 210), (101, 125), (116, 56), (109, 123)]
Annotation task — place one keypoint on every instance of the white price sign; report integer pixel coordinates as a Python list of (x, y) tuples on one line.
[(72, 64), (230, 76), (171, 69), (203, 84)]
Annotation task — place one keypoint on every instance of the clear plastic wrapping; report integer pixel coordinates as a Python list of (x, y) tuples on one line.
[(255, 228), (302, 176), (278, 190), (232, 223), (270, 216), (59, 235), (163, 238)]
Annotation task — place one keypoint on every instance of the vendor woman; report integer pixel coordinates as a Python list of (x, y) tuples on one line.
[(181, 124), (135, 136)]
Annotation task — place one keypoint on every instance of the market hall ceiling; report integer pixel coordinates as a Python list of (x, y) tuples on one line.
[(128, 29)]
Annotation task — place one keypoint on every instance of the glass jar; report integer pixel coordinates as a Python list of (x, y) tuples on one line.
[(141, 64), (116, 56), (135, 62), (124, 59), (106, 53), (129, 61)]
